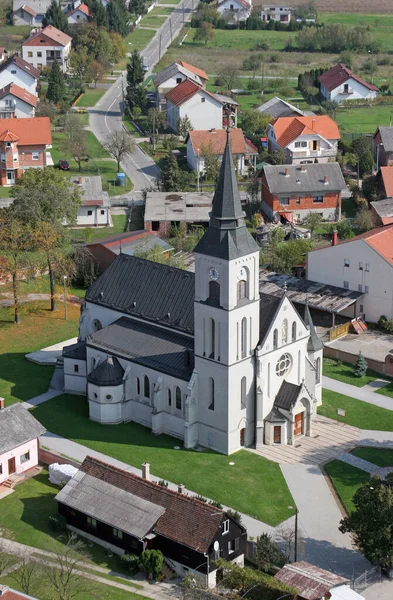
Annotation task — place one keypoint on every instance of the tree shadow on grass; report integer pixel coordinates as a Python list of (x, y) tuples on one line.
[(23, 379)]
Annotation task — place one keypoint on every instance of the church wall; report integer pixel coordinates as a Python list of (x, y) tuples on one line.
[(74, 379)]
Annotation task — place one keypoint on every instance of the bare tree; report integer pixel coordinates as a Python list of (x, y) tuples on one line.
[(285, 538), (5, 559), (76, 140), (63, 575), (119, 143), (25, 573), (230, 76)]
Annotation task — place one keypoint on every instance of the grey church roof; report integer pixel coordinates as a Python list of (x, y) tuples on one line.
[(159, 349), (17, 426), (314, 343), (227, 236), (108, 372), (386, 134), (275, 416), (77, 351), (291, 179), (287, 395), (267, 309), (147, 290)]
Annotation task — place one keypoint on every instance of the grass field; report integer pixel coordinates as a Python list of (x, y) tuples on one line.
[(344, 372), (153, 20), (161, 10), (346, 480), (364, 119), (13, 37), (90, 97), (383, 457), (359, 414), (6, 192), (84, 234), (247, 486), (40, 285), (138, 39)]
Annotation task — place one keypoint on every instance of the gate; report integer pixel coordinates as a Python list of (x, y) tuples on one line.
[(367, 578)]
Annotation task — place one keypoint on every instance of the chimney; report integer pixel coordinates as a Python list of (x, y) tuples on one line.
[(334, 238), (303, 169), (1, 403), (286, 172), (146, 471), (180, 488), (326, 180), (80, 180), (297, 180)]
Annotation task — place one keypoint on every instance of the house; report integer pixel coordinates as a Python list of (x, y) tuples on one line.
[(127, 513), (29, 12), (203, 357), (214, 141), (294, 191), (382, 146), (20, 72), (276, 107), (16, 102), (314, 583), (104, 251), (304, 140), (280, 14), (3, 55), (234, 10), (46, 46), (19, 432), (385, 182), (382, 211), (175, 74), (204, 109), (340, 84), (363, 263), (8, 593), (95, 209), (23, 144), (80, 14)]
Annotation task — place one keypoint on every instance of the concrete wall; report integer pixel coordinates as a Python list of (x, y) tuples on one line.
[(74, 379), (16, 453), (99, 216), (77, 17), (19, 77)]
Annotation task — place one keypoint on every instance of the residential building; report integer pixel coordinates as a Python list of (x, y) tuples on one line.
[(20, 72), (382, 211), (127, 513), (16, 102), (95, 209), (294, 191), (3, 55), (23, 145), (277, 107), (340, 84), (234, 10), (29, 12), (79, 14), (42, 49), (175, 74), (104, 251), (214, 141), (382, 146), (203, 357), (304, 140), (19, 432), (314, 583), (204, 109), (280, 14), (385, 181), (363, 263)]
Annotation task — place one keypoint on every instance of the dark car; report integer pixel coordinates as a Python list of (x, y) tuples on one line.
[(63, 165)]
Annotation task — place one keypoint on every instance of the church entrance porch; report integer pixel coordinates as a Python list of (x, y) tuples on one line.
[(277, 434)]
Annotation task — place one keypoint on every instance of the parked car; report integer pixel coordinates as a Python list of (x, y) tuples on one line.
[(63, 165)]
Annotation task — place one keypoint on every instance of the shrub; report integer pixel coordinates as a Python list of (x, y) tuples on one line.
[(253, 84), (361, 366), (235, 515), (131, 561), (216, 504), (219, 82), (275, 58), (163, 483), (200, 498), (152, 561), (57, 522)]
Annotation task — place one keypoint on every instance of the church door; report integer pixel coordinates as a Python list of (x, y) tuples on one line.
[(242, 431), (299, 424), (277, 434)]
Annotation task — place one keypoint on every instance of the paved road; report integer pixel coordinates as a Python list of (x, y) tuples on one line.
[(365, 395), (105, 117)]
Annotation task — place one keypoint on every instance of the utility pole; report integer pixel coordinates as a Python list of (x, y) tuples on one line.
[(263, 78), (65, 298), (198, 171), (170, 25), (154, 128), (183, 16), (296, 532)]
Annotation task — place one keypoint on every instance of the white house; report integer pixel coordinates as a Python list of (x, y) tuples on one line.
[(95, 210), (19, 432), (280, 13), (364, 264), (204, 109), (79, 14), (235, 10), (203, 357), (174, 74), (47, 46), (16, 102), (340, 84), (308, 139), (20, 72), (29, 12)]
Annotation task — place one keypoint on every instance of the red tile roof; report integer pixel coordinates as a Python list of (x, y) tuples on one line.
[(182, 92), (51, 34), (82, 8), (22, 64), (186, 520), (34, 131), (217, 138), (8, 136), (193, 69), (18, 92), (311, 582), (387, 180), (338, 75), (288, 129)]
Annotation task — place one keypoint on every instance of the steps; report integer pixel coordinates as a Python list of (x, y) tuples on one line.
[(7, 484), (167, 570)]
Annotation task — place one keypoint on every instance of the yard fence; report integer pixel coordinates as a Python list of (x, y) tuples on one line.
[(366, 579), (339, 331)]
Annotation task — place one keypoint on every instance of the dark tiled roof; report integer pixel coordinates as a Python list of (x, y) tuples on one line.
[(386, 134), (275, 416), (77, 351), (148, 290), (145, 344), (276, 107), (291, 179), (17, 426), (267, 309), (109, 372), (186, 520), (338, 75), (287, 395)]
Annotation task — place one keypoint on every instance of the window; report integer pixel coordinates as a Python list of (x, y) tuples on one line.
[(1, 469), (213, 337), (297, 144), (138, 386), (283, 365), (241, 289), (211, 393), (178, 80), (102, 212), (243, 393), (91, 522), (231, 546), (346, 88), (275, 339), (203, 100), (76, 368), (25, 457), (346, 262), (317, 200), (297, 200), (117, 533), (237, 544), (169, 398), (284, 331), (360, 266), (303, 144), (284, 201), (361, 308), (346, 285), (360, 287), (294, 331), (13, 72), (35, 155), (8, 144), (367, 267), (39, 66), (89, 213), (30, 54), (155, 225), (146, 387), (315, 144), (178, 398), (39, 54), (366, 289), (244, 338), (318, 370), (225, 527), (214, 293)]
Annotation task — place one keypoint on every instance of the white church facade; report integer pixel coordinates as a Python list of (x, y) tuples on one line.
[(206, 358)]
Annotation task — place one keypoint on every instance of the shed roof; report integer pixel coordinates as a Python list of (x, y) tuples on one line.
[(338, 75), (311, 582), (192, 207), (386, 134), (383, 208), (277, 107), (17, 426), (131, 241), (92, 192), (306, 178)]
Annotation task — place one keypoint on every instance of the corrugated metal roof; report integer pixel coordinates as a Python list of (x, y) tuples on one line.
[(311, 582), (17, 426), (276, 107)]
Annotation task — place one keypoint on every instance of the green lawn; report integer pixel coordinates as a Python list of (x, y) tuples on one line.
[(387, 390), (152, 20), (139, 38), (364, 119), (247, 486), (161, 10), (383, 457), (40, 285), (6, 192), (242, 39), (90, 97), (346, 480), (90, 234), (359, 414), (21, 379), (344, 372)]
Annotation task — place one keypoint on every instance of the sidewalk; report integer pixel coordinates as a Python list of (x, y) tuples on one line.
[(365, 395)]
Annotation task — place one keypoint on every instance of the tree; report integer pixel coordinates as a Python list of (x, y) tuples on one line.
[(252, 63), (364, 219), (119, 49), (56, 84), (98, 12), (313, 221), (75, 142), (137, 7), (205, 33), (24, 575), (254, 122), (63, 575), (119, 143), (268, 554), (361, 366), (370, 523), (152, 561), (79, 61), (278, 157), (135, 94), (211, 162), (46, 200), (45, 109), (170, 176), (157, 121), (184, 125), (118, 17), (56, 17), (283, 257), (362, 149), (95, 72), (229, 75)]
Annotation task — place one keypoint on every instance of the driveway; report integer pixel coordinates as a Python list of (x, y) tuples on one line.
[(379, 591)]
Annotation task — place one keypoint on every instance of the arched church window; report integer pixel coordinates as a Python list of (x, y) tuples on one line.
[(211, 393), (275, 339), (244, 338), (318, 370), (284, 331), (212, 337), (169, 398), (178, 397), (243, 392), (241, 289), (214, 293), (138, 386), (283, 365), (146, 387), (294, 331)]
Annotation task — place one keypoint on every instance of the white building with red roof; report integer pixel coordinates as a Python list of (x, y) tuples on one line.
[(340, 84), (29, 12), (80, 14), (16, 102), (47, 46), (19, 71), (175, 74), (236, 10)]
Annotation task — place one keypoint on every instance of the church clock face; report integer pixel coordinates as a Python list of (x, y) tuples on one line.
[(214, 274), (242, 274)]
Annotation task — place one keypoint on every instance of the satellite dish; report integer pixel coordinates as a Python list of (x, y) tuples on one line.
[(216, 546)]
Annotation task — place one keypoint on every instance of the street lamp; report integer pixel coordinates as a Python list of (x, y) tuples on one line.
[(65, 297), (296, 532)]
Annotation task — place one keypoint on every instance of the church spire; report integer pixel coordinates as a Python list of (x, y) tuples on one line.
[(314, 343)]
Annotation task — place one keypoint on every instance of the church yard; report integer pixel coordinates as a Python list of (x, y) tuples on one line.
[(358, 413)]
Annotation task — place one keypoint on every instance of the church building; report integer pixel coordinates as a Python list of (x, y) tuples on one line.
[(204, 357)]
